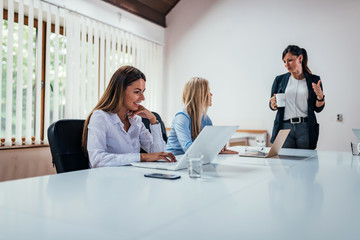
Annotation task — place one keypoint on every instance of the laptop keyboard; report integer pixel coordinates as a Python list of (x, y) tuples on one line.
[(161, 164)]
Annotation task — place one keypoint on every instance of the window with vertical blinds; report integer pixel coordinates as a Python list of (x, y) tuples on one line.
[(56, 64)]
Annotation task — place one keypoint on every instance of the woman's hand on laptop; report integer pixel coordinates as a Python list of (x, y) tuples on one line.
[(152, 157), (227, 151)]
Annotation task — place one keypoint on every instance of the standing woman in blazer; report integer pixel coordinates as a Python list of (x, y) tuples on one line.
[(304, 97)]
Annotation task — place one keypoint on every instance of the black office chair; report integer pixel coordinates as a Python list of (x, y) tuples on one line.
[(147, 125), (163, 129), (65, 144)]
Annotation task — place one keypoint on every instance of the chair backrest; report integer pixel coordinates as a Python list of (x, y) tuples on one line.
[(65, 144), (163, 129)]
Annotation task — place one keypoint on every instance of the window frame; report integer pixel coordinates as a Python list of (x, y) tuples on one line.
[(43, 71)]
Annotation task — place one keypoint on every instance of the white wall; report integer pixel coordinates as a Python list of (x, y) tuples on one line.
[(237, 46)]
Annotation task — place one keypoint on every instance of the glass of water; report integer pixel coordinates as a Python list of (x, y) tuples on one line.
[(355, 148), (195, 165), (260, 144)]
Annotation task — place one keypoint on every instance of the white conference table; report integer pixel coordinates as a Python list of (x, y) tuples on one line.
[(303, 194)]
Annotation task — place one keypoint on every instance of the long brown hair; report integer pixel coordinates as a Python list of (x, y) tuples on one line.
[(196, 98), (297, 51), (113, 97)]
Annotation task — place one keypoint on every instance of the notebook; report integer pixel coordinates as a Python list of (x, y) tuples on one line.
[(209, 142), (275, 148), (357, 132)]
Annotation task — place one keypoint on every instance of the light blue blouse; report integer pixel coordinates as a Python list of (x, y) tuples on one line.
[(180, 138)]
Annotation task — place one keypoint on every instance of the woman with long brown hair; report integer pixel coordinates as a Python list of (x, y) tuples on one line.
[(188, 122), (114, 132)]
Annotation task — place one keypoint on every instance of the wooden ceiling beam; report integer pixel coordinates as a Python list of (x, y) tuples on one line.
[(140, 10)]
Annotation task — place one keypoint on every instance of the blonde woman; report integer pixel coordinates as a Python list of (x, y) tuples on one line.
[(188, 122), (114, 132)]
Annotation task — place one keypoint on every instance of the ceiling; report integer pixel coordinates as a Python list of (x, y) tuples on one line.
[(152, 10)]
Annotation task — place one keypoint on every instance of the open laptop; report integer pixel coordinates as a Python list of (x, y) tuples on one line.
[(357, 132), (275, 148), (209, 142)]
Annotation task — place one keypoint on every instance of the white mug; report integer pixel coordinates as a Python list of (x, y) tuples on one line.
[(280, 99)]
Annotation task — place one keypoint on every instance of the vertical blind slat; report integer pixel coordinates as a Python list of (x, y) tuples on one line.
[(101, 63), (138, 63), (113, 53), (56, 68), (121, 47), (47, 73), (1, 65), (38, 80), (9, 75), (89, 75), (129, 46), (29, 89), (19, 82), (63, 63), (83, 68), (118, 49), (107, 56), (160, 69), (96, 63), (68, 24), (76, 75)]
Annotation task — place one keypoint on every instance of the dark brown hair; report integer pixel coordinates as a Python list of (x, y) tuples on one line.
[(297, 51)]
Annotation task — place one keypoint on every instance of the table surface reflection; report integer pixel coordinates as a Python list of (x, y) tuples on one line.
[(300, 194)]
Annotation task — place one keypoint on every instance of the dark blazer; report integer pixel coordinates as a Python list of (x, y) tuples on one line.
[(279, 86)]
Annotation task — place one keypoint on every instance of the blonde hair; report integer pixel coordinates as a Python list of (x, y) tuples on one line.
[(113, 97), (196, 98)]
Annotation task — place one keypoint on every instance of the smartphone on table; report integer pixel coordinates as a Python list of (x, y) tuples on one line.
[(163, 176)]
